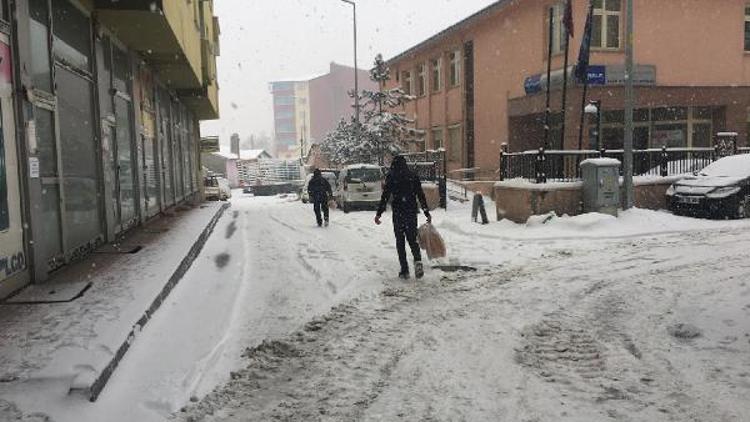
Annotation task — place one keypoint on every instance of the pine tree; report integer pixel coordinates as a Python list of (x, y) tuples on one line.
[(383, 130)]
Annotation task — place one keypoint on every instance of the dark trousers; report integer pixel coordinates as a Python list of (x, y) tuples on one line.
[(317, 206), (405, 229)]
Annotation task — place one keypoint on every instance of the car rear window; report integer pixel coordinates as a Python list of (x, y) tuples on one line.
[(734, 166), (364, 175)]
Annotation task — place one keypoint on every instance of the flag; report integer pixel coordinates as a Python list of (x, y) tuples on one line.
[(585, 52), (568, 18)]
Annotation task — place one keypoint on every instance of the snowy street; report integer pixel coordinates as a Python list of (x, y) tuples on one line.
[(544, 330), (645, 317)]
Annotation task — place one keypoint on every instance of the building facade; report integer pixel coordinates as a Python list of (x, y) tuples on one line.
[(306, 110), (481, 82), (101, 102)]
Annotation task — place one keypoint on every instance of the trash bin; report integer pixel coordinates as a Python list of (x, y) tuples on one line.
[(601, 185)]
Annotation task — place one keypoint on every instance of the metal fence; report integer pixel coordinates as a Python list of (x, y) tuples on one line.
[(565, 166), (430, 166)]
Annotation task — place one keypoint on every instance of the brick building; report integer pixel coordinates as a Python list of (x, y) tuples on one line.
[(480, 83)]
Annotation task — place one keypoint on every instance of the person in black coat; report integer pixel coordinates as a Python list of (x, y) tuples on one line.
[(404, 189), (320, 191)]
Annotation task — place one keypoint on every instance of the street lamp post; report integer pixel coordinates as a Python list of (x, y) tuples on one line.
[(629, 105), (594, 109), (356, 70)]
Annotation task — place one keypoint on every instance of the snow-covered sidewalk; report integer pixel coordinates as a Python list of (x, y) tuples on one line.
[(53, 349)]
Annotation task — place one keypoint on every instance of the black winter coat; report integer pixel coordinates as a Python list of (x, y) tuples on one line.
[(404, 188), (319, 189)]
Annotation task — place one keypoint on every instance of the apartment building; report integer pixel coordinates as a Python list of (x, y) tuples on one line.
[(306, 110), (481, 82), (101, 102)]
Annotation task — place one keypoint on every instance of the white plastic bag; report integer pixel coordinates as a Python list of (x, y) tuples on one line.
[(431, 241)]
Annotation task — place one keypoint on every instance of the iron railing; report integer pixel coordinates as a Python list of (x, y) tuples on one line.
[(430, 166), (543, 166)]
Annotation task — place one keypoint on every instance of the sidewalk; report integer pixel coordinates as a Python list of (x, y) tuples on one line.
[(75, 346)]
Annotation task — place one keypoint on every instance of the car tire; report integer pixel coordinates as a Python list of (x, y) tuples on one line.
[(346, 208), (304, 201)]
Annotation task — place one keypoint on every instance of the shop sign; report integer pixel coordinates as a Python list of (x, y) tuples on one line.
[(6, 75), (12, 264)]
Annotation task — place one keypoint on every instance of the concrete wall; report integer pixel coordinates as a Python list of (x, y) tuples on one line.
[(517, 201)]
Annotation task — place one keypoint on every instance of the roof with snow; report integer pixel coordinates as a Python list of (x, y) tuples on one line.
[(253, 154), (469, 21), (226, 155)]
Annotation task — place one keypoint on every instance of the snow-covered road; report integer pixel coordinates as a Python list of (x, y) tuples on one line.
[(652, 328), (645, 317)]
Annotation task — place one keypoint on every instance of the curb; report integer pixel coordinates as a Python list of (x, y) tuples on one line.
[(101, 381)]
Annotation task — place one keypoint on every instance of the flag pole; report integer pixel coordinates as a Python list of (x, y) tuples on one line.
[(549, 81), (584, 73), (565, 78)]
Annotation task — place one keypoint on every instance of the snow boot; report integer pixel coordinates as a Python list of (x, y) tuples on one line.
[(326, 223), (403, 275), (418, 269)]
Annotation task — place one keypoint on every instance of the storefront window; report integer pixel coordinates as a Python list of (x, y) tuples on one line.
[(41, 74), (75, 111), (72, 31)]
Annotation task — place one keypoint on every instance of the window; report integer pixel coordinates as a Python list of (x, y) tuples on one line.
[(72, 43), (284, 100), (421, 79), (4, 218), (454, 143), (455, 70), (41, 74), (558, 29), (606, 31), (437, 138), (747, 28), (406, 84), (437, 74)]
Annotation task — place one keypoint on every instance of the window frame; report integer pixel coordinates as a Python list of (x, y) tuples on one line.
[(747, 28), (406, 82), (454, 58), (437, 130), (421, 79), (604, 13), (454, 152), (558, 30), (436, 73)]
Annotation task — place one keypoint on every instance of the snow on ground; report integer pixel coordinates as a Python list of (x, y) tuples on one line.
[(643, 317)]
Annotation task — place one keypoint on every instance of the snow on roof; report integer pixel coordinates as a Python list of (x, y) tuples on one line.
[(253, 154), (363, 166), (227, 155)]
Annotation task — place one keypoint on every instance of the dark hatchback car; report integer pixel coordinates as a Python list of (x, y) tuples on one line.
[(721, 190)]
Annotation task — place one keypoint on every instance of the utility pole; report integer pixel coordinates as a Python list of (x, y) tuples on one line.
[(356, 69), (629, 105)]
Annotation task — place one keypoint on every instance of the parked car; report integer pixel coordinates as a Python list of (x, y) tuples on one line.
[(721, 190), (328, 175), (217, 188), (359, 186)]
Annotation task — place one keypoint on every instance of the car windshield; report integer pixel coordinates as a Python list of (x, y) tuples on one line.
[(211, 182), (735, 166), (366, 175)]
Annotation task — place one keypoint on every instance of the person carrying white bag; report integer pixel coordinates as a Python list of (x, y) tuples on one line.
[(404, 189)]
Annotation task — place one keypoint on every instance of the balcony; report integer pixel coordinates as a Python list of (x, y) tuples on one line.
[(165, 33)]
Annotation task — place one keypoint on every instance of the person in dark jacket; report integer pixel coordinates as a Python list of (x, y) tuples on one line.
[(404, 189), (320, 191)]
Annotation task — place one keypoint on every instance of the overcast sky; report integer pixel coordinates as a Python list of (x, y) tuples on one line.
[(266, 40)]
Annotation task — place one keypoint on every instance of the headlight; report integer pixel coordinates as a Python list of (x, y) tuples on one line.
[(670, 190), (720, 193)]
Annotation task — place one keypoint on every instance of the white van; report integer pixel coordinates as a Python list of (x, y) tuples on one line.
[(360, 186)]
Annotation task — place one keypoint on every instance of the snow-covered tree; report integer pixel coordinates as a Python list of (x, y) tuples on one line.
[(383, 130)]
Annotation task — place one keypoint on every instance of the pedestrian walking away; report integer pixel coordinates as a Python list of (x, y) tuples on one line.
[(320, 191), (403, 188)]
